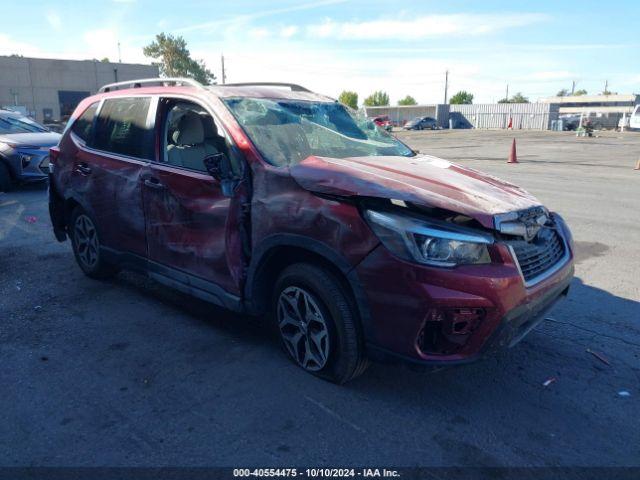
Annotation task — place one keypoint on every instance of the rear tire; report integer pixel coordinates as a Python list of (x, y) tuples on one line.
[(6, 182), (318, 323), (86, 246)]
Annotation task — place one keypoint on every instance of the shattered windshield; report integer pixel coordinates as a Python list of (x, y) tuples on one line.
[(288, 131), (15, 124)]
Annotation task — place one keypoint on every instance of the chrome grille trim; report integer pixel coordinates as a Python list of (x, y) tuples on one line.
[(549, 260)]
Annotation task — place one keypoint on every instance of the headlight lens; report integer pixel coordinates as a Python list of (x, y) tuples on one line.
[(25, 159), (429, 242)]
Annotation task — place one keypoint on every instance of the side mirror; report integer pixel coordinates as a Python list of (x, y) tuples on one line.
[(219, 167)]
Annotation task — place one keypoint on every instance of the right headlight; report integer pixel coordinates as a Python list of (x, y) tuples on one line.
[(434, 243)]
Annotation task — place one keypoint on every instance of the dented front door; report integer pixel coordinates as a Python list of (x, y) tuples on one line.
[(186, 218)]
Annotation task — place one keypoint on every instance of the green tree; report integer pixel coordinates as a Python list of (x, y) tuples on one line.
[(562, 93), (517, 98), (580, 92), (105, 60), (377, 99), (462, 98), (408, 100), (349, 98), (174, 59)]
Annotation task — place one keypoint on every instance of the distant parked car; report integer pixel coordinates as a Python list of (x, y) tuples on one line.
[(457, 120), (383, 121), (420, 123), (24, 149), (57, 127), (634, 120), (570, 122)]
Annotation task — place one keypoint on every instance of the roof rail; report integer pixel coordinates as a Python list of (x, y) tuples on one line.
[(294, 87), (148, 81)]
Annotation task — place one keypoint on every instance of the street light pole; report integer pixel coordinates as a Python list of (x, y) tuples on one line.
[(224, 75), (446, 85)]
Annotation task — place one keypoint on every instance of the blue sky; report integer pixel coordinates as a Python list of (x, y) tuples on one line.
[(537, 47)]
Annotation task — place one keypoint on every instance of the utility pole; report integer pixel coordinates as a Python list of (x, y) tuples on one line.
[(119, 53), (573, 86), (506, 97), (446, 85), (606, 87), (224, 75)]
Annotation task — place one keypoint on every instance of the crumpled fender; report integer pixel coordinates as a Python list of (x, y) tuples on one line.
[(422, 179)]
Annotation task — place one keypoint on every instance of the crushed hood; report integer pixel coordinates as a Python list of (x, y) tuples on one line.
[(422, 179)]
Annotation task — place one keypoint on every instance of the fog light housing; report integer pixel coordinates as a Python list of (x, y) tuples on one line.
[(447, 330)]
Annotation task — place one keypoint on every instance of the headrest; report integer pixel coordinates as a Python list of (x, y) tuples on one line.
[(190, 130), (210, 130)]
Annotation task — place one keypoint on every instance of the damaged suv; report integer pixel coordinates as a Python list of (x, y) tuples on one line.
[(271, 199)]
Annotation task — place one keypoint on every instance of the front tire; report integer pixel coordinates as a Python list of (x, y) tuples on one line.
[(86, 246), (318, 323)]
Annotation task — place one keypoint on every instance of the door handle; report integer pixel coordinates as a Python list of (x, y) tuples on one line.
[(83, 168), (153, 183)]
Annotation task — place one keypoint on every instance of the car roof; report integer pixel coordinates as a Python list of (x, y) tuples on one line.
[(222, 91)]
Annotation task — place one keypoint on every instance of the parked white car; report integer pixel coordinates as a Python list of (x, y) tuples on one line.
[(634, 121)]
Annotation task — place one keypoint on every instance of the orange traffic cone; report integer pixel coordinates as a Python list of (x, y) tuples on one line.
[(513, 157), (637, 165)]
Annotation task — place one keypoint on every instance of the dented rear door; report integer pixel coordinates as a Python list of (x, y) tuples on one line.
[(106, 173)]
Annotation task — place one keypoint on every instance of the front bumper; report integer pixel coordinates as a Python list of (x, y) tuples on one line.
[(57, 212), (415, 310), (36, 169)]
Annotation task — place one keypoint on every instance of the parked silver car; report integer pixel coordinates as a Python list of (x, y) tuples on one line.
[(24, 149), (420, 123)]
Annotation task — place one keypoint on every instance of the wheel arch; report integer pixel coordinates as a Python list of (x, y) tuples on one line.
[(277, 252), (10, 168), (60, 210)]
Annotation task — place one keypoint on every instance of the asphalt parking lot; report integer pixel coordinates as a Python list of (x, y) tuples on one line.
[(128, 372)]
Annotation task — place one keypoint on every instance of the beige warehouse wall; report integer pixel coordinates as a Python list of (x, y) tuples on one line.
[(36, 81)]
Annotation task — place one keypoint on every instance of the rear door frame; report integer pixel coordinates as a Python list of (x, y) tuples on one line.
[(112, 242)]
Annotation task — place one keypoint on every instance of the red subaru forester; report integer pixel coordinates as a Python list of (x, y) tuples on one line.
[(268, 198)]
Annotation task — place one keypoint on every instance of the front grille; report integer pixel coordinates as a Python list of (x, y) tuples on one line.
[(539, 255)]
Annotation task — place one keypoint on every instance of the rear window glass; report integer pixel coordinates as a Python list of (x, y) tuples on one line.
[(82, 126), (122, 128)]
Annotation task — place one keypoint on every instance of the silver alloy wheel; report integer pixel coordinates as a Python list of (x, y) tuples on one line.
[(303, 328), (86, 240)]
